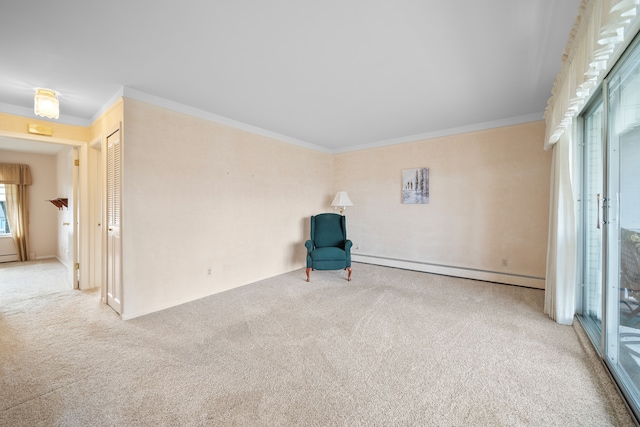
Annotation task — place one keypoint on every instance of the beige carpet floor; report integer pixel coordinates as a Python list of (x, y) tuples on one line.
[(390, 348)]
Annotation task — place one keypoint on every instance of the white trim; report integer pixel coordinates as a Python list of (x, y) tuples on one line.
[(160, 307), (60, 261), (446, 132), (138, 95), (14, 258), (467, 273), (65, 119), (195, 112), (107, 105)]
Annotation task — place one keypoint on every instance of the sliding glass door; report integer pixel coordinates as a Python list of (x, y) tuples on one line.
[(622, 215), (609, 194), (591, 197)]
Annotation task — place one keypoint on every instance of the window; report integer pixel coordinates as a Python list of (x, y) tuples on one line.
[(4, 224)]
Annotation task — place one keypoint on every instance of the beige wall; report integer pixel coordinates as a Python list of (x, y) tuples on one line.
[(489, 201), (201, 196), (42, 214)]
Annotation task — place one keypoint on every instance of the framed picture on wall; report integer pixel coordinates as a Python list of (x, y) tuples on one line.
[(415, 186)]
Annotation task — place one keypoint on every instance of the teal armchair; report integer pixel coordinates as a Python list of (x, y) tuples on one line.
[(328, 248)]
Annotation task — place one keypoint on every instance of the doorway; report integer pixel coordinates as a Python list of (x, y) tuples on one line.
[(53, 234)]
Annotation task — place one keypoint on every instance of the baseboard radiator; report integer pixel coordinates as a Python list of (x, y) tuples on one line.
[(447, 270), (8, 257)]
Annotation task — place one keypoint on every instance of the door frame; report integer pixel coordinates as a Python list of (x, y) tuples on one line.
[(81, 190), (95, 214)]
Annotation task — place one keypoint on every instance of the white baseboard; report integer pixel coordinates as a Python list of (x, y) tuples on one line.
[(61, 261), (14, 257), (467, 273), (129, 316), (447, 270)]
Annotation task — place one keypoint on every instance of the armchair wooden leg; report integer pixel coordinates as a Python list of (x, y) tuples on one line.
[(308, 269), (349, 275)]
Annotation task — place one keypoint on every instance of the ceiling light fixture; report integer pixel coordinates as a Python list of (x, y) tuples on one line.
[(46, 104)]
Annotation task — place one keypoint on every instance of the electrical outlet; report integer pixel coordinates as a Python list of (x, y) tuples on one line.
[(209, 272), (505, 262)]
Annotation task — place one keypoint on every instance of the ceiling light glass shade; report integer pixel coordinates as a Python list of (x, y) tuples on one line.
[(341, 201), (46, 104)]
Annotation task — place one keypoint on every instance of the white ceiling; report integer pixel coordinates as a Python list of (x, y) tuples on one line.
[(29, 146), (332, 73)]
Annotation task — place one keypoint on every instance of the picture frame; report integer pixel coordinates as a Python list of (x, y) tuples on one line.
[(415, 186)]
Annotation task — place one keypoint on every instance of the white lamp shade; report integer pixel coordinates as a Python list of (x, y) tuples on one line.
[(342, 199), (45, 104)]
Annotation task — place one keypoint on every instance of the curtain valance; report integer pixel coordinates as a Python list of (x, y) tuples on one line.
[(15, 174), (601, 31)]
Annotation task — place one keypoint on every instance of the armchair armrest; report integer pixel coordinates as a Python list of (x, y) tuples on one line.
[(309, 245), (347, 246)]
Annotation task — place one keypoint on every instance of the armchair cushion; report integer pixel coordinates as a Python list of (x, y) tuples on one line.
[(329, 254)]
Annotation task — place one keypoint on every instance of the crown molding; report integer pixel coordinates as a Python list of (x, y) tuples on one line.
[(195, 112), (138, 95), (445, 132)]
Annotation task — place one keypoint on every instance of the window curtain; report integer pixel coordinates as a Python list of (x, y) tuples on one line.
[(601, 31), (16, 180), (559, 301)]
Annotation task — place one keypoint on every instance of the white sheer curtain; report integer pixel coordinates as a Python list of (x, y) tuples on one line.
[(559, 302), (602, 30)]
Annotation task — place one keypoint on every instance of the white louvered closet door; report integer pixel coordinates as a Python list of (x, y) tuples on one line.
[(114, 248)]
